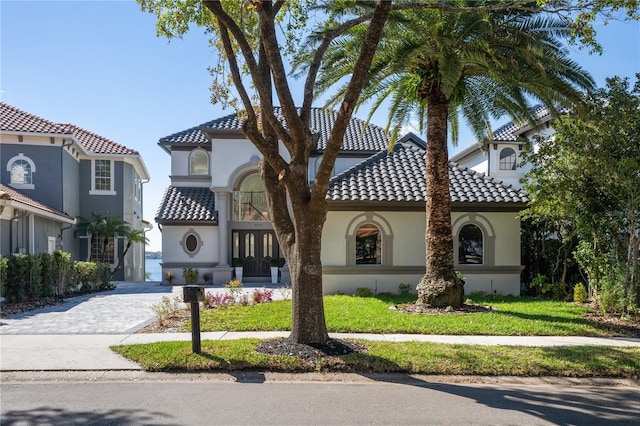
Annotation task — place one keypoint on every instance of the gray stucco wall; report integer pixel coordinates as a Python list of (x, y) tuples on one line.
[(44, 228), (102, 204), (5, 237), (71, 202), (48, 173)]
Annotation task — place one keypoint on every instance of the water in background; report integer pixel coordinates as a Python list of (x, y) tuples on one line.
[(154, 269)]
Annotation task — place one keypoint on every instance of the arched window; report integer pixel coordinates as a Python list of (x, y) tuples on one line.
[(368, 245), (21, 171), (470, 245), (250, 202), (198, 162), (508, 159)]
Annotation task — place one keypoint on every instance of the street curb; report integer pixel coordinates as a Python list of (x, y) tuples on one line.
[(16, 377)]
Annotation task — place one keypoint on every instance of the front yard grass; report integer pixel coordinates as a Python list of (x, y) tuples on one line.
[(396, 357), (511, 316)]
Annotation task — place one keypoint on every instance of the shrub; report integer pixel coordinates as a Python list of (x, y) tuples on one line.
[(285, 291), (579, 293), (541, 284), (92, 276), (215, 300), (405, 289), (169, 276), (363, 292), (62, 265), (234, 288), (3, 275), (18, 274), (190, 275), (478, 294), (262, 295), (165, 308), (206, 277)]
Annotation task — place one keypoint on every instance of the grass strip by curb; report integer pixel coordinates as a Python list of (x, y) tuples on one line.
[(396, 357)]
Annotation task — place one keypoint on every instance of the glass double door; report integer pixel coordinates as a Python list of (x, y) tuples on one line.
[(255, 249)]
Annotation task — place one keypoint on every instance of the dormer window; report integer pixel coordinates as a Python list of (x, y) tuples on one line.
[(508, 159), (21, 171), (198, 162)]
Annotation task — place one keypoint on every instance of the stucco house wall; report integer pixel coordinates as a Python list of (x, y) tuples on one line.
[(403, 252), (60, 161), (175, 257)]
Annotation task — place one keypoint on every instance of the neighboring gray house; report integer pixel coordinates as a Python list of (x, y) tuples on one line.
[(51, 174)]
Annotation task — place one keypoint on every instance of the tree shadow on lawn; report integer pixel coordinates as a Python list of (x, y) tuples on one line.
[(607, 329), (582, 405)]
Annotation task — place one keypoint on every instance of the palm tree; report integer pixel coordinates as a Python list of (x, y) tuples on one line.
[(104, 227), (132, 236), (438, 65)]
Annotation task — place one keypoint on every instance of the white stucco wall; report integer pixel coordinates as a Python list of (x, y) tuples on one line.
[(405, 263), (174, 257)]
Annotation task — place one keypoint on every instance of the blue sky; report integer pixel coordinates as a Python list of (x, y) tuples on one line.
[(99, 65)]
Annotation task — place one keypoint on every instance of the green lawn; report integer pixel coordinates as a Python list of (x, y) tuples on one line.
[(401, 357), (512, 316)]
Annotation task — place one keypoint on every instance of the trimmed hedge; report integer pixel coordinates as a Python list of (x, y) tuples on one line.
[(45, 276)]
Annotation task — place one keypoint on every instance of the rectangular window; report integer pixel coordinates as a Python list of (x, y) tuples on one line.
[(102, 175), (102, 183), (98, 246)]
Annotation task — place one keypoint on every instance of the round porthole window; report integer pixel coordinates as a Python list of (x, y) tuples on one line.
[(191, 243)]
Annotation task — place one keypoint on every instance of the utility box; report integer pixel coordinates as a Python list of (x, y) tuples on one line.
[(192, 293)]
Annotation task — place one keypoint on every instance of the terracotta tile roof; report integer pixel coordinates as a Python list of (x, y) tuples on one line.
[(400, 176), (14, 120), (97, 144), (187, 204), (322, 121), (8, 193)]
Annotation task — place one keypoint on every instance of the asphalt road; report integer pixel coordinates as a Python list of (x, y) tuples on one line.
[(255, 402)]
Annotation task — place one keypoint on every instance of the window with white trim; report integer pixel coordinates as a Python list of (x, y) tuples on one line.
[(508, 159), (21, 171), (97, 248), (102, 177), (198, 162)]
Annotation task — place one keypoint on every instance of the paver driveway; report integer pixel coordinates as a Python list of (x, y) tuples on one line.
[(120, 311)]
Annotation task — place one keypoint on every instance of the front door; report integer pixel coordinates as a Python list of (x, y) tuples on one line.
[(256, 248)]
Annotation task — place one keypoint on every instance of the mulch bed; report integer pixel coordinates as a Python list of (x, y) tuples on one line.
[(332, 347), (10, 309), (416, 308)]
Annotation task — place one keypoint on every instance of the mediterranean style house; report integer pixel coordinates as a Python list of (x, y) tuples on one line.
[(52, 174), (214, 214), (500, 157)]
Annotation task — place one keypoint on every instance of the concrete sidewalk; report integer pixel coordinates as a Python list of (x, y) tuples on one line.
[(92, 353)]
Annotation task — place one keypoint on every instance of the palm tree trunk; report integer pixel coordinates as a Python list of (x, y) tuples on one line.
[(440, 287)]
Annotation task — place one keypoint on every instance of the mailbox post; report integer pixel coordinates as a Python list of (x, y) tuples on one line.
[(194, 294)]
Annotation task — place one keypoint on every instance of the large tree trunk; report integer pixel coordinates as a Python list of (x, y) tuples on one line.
[(440, 287), (308, 321), (301, 245)]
